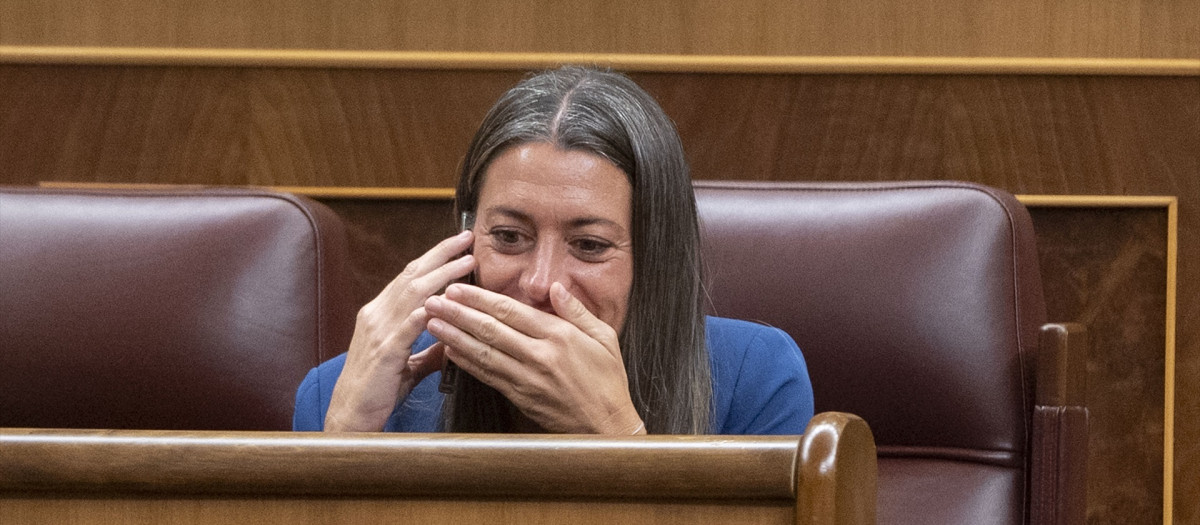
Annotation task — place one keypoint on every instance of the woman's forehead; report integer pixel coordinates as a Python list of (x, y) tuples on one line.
[(541, 179)]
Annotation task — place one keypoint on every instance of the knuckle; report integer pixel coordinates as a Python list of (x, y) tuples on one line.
[(412, 290), (483, 366), (521, 390), (608, 332), (367, 318), (484, 358), (505, 310), (411, 269), (563, 333), (364, 314), (489, 330)]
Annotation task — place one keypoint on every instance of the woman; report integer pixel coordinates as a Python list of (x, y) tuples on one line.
[(587, 311)]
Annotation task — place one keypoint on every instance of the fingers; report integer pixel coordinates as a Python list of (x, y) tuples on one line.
[(486, 362), (508, 311), (570, 308), (427, 275), (505, 323), (524, 319), (481, 344), (563, 370), (438, 255), (493, 319), (436, 267)]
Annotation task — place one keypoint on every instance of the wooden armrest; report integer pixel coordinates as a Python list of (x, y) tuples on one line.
[(837, 471), (1059, 445), (1062, 365)]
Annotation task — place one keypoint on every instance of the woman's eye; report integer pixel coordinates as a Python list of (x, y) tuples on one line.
[(505, 237), (591, 248), (507, 241)]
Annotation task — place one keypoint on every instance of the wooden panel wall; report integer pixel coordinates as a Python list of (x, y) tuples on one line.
[(1108, 135), (1106, 268), (1013, 28)]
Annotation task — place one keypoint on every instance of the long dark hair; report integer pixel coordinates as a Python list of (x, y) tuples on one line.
[(663, 340)]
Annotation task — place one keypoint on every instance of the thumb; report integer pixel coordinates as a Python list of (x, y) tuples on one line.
[(568, 307), (420, 365)]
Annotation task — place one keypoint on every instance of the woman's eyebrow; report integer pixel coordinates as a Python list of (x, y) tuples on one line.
[(579, 222), (511, 213), (595, 221)]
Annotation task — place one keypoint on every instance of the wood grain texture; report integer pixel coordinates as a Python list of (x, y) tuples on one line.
[(109, 476), (1035, 134), (356, 511), (1106, 269), (239, 126), (1031, 134), (100, 462), (1019, 28)]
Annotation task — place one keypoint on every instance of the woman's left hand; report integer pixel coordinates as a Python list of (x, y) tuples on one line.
[(563, 371)]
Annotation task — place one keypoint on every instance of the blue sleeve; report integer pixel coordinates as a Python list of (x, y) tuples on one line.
[(761, 383), (306, 415), (314, 393)]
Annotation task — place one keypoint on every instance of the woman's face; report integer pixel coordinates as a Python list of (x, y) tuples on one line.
[(546, 215)]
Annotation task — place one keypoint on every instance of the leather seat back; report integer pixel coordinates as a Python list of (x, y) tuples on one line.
[(172, 309), (917, 307)]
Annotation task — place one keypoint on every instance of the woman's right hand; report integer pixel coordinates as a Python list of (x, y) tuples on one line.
[(380, 368)]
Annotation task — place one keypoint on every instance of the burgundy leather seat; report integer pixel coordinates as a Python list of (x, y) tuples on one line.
[(918, 307), (189, 309)]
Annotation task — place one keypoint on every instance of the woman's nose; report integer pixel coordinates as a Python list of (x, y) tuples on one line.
[(544, 269)]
